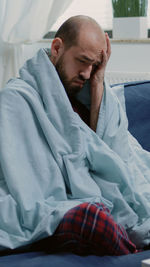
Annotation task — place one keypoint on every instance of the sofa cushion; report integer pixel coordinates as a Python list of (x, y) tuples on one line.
[(40, 258), (137, 101)]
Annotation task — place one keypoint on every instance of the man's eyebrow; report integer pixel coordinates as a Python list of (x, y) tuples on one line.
[(90, 59), (87, 58)]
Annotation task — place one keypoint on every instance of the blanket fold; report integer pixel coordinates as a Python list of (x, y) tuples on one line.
[(51, 161)]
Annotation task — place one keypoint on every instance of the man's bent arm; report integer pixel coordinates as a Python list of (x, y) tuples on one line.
[(96, 98), (97, 86)]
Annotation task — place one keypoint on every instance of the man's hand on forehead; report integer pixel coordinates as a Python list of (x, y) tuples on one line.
[(99, 68)]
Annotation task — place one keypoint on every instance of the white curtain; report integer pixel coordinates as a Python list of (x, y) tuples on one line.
[(23, 22)]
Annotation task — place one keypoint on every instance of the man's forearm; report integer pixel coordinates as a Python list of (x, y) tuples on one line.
[(97, 85), (96, 98)]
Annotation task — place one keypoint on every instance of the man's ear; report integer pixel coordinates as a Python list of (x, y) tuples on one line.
[(57, 48)]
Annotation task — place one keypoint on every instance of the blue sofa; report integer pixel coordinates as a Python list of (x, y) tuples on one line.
[(137, 100)]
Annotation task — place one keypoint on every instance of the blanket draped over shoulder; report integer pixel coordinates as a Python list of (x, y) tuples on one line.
[(51, 161)]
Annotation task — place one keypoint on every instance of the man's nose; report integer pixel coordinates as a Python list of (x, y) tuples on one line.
[(86, 72)]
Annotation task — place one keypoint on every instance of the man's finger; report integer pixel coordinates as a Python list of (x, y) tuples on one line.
[(104, 59)]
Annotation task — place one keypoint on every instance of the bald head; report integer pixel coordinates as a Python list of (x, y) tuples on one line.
[(73, 29)]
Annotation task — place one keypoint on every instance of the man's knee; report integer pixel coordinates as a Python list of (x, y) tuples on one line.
[(85, 219), (90, 228)]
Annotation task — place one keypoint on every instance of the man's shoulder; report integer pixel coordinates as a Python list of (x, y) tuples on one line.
[(9, 88), (17, 92)]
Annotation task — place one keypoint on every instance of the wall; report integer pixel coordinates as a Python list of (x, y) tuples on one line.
[(130, 56), (130, 59)]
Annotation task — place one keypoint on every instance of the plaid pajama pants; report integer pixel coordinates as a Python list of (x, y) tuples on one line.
[(89, 228)]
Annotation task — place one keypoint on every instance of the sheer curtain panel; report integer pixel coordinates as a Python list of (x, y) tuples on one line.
[(22, 22)]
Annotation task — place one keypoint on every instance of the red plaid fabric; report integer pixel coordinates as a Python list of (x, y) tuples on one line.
[(89, 228)]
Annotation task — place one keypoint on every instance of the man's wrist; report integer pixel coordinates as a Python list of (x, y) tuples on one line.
[(96, 93)]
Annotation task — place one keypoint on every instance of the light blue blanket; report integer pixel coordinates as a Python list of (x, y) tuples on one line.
[(52, 161)]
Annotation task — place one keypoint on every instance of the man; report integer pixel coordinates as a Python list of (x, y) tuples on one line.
[(64, 175), (80, 52), (79, 55)]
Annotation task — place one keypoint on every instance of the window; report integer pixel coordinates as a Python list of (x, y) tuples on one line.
[(100, 10)]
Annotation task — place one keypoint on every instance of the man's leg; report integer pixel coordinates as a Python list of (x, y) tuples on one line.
[(89, 228)]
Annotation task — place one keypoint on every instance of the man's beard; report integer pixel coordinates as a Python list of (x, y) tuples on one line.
[(71, 90)]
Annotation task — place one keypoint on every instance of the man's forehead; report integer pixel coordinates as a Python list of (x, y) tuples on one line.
[(91, 57), (91, 49)]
